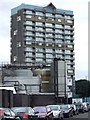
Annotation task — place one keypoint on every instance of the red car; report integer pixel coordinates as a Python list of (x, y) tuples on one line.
[(43, 112), (25, 113)]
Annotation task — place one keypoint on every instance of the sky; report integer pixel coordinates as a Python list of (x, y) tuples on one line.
[(80, 11)]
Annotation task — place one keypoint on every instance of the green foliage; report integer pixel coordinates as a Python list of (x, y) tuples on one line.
[(83, 88)]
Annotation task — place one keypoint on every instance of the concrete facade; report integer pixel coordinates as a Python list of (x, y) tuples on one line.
[(40, 34)]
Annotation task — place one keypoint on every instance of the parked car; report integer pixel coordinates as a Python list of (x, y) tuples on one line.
[(85, 106), (80, 107), (25, 113), (8, 114), (75, 109), (57, 112), (67, 110), (43, 112), (88, 106)]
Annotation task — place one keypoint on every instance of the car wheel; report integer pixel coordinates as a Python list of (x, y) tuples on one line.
[(77, 113), (69, 116), (62, 118), (20, 118), (47, 118), (51, 118), (2, 119), (59, 117)]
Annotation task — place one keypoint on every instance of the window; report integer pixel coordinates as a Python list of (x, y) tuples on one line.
[(39, 29), (29, 33), (58, 56), (28, 60), (39, 59), (67, 57), (67, 17), (39, 54), (28, 42), (58, 36), (28, 28), (49, 60), (49, 40), (40, 34), (67, 51), (58, 41), (39, 23), (49, 50), (28, 54), (49, 35), (39, 50), (69, 41), (49, 14), (28, 23), (67, 37), (67, 32), (28, 49), (68, 66), (39, 13), (28, 38), (58, 31), (58, 51), (69, 21), (58, 16), (70, 46), (49, 56), (39, 39), (49, 30), (49, 25), (28, 12), (28, 16), (70, 71), (67, 26), (58, 26)]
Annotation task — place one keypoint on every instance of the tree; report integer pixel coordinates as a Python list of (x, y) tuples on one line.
[(83, 88)]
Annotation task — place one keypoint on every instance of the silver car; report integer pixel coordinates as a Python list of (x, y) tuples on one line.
[(8, 114), (57, 112)]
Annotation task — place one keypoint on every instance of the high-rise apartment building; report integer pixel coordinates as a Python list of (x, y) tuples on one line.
[(40, 34)]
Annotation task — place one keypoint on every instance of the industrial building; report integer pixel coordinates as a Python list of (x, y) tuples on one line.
[(40, 34), (42, 51)]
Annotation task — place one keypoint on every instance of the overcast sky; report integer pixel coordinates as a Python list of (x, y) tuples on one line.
[(80, 10)]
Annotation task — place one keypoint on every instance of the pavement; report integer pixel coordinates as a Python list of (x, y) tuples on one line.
[(84, 116)]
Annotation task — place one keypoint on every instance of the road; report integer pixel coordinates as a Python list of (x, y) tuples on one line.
[(84, 116)]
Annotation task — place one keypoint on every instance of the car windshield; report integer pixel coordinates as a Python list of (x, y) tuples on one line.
[(17, 109), (52, 107), (40, 109), (64, 106)]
